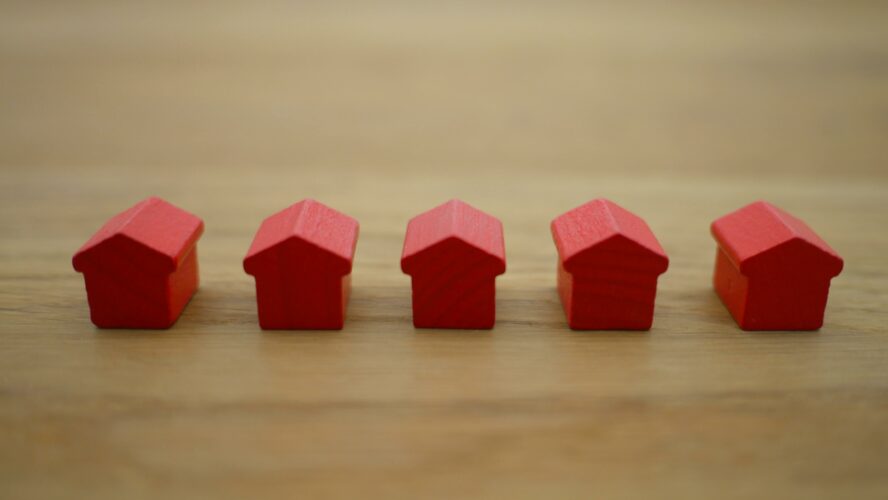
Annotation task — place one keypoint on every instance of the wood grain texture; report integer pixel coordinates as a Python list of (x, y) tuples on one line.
[(681, 113)]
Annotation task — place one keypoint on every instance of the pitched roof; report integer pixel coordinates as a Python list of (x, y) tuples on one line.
[(602, 222), (759, 228), (311, 222), (458, 220), (166, 230)]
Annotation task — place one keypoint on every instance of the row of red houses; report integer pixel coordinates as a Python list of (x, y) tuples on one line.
[(772, 271)]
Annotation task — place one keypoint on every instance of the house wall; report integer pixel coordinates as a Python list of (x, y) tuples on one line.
[(608, 299), (293, 299), (783, 297), (127, 299), (460, 301), (731, 286), (565, 288), (183, 283), (789, 300)]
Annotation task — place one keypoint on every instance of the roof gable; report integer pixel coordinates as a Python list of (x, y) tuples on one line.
[(454, 220), (312, 223), (166, 232), (603, 228), (758, 232)]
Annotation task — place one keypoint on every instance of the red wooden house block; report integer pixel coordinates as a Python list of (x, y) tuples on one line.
[(140, 268), (771, 270), (302, 259), (453, 253), (608, 265)]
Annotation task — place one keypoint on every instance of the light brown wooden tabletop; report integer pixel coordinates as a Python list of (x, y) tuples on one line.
[(680, 113)]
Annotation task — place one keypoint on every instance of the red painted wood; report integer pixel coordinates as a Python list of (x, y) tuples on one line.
[(453, 253), (141, 268), (771, 270), (302, 259), (608, 265)]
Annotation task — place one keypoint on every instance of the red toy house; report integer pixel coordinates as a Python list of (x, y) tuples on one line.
[(771, 270), (302, 258), (454, 252), (140, 268), (608, 264)]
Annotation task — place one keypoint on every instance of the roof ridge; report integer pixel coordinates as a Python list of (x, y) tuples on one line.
[(124, 226), (116, 227), (455, 207), (302, 222), (608, 205), (298, 225), (777, 228), (579, 231), (779, 214), (137, 209), (455, 220)]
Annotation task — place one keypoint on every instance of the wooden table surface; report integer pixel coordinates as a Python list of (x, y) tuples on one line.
[(235, 110)]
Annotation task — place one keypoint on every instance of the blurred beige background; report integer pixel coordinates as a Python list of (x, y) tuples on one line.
[(233, 110), (738, 87)]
